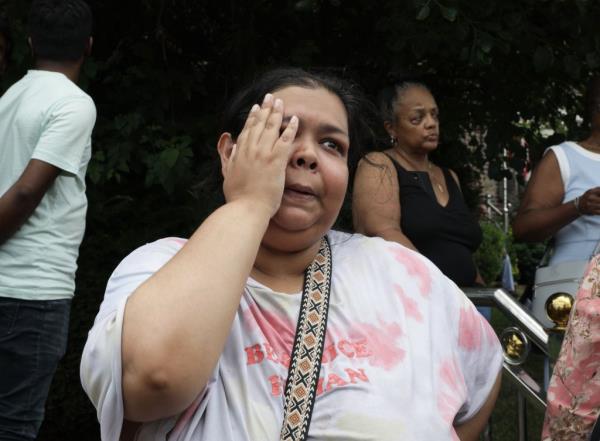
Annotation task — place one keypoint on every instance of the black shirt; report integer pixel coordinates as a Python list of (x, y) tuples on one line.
[(446, 235)]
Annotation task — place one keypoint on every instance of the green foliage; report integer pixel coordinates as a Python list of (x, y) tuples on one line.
[(528, 257), (501, 71), (490, 254), (516, 265)]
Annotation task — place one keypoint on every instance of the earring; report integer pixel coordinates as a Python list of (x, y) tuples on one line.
[(393, 140)]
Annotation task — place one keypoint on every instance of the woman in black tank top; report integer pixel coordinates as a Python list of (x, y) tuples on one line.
[(400, 195)]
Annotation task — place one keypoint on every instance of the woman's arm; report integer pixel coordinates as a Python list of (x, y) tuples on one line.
[(470, 430), (176, 323), (479, 279), (376, 200), (542, 212)]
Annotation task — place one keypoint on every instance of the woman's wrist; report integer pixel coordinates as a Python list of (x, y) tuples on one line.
[(257, 210), (576, 202)]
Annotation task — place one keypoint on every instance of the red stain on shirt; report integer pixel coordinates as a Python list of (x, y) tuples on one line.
[(451, 375), (453, 390), (381, 342), (470, 328), (411, 308), (278, 330), (177, 240), (415, 266)]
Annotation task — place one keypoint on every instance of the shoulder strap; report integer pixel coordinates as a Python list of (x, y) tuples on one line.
[(396, 164), (305, 365), (449, 178)]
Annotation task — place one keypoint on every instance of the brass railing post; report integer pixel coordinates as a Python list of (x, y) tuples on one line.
[(516, 341)]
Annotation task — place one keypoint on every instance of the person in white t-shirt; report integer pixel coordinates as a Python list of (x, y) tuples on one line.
[(193, 338), (46, 123)]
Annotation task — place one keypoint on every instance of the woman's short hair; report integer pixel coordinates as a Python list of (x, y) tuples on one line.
[(60, 29), (389, 96), (358, 110)]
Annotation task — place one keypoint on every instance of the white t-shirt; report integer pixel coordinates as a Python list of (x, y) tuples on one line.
[(45, 116), (406, 353)]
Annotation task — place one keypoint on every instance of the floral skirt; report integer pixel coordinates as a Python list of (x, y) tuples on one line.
[(574, 390)]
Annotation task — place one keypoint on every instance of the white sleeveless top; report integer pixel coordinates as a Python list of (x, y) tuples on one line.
[(580, 171)]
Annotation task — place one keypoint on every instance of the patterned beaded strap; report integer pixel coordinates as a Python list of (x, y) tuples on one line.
[(303, 375)]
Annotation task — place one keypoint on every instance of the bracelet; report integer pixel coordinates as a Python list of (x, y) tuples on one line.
[(576, 203)]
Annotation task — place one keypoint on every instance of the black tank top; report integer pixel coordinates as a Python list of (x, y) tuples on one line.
[(448, 235)]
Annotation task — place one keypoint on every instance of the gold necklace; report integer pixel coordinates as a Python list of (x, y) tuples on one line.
[(429, 170), (435, 181)]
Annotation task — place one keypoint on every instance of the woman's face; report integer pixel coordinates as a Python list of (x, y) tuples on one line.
[(416, 124), (317, 173)]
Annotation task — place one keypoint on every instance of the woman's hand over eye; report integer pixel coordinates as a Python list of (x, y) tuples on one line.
[(256, 168)]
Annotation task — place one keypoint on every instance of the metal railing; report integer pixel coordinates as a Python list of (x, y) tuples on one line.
[(516, 342)]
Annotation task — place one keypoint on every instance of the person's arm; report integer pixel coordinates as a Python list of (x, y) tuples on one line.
[(59, 148), (471, 429), (376, 200), (542, 212), (22, 198), (177, 322), (479, 279)]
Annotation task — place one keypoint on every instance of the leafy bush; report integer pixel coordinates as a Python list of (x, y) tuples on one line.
[(528, 257), (490, 253), (524, 257), (160, 70)]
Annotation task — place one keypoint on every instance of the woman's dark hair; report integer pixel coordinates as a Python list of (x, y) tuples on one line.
[(592, 98), (389, 96), (358, 109), (59, 29)]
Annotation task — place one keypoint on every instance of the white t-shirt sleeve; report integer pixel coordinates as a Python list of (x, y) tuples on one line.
[(479, 354), (66, 133), (100, 368)]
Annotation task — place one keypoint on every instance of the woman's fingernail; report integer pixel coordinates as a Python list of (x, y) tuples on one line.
[(268, 98), (294, 120), (278, 105), (254, 108)]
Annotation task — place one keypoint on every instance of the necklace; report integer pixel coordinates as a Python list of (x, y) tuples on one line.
[(429, 170)]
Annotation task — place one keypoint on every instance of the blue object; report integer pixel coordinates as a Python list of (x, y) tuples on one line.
[(508, 282)]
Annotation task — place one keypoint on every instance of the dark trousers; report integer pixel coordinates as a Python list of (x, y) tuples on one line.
[(33, 339)]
